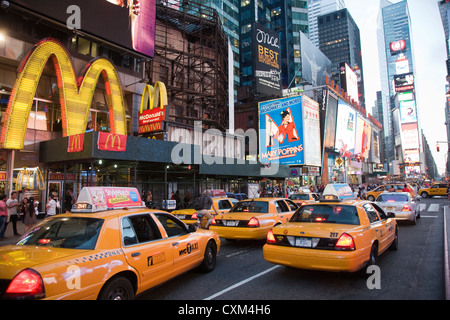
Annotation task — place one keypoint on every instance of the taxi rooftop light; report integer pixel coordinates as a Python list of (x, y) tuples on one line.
[(336, 192)]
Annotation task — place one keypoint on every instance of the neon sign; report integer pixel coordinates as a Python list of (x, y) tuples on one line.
[(75, 94)]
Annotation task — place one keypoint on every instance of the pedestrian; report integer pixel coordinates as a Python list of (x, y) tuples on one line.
[(148, 199), (30, 217), (3, 215), (207, 205), (24, 207), (12, 204), (51, 206), (69, 200)]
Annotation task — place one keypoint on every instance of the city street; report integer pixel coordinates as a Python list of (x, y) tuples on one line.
[(415, 271)]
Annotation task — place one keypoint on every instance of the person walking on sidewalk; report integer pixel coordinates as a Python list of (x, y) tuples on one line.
[(51, 206), (3, 215), (12, 203)]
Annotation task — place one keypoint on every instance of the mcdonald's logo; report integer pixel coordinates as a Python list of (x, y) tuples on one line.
[(75, 143), (3, 176), (75, 96), (152, 117), (112, 142)]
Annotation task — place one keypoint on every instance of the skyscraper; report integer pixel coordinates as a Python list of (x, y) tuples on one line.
[(318, 8), (400, 121), (339, 40)]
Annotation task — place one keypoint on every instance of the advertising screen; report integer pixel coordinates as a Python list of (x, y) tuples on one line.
[(410, 135), (281, 131), (330, 122), (345, 130), (311, 132), (349, 81), (128, 24), (266, 50), (408, 111), (363, 137), (404, 82)]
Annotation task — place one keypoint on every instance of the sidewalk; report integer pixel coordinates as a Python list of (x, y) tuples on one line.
[(446, 251), (10, 238)]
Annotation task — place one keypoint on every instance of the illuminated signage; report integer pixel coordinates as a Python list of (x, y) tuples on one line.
[(112, 142), (404, 82), (151, 117), (345, 130), (75, 96), (75, 143), (397, 46), (349, 81)]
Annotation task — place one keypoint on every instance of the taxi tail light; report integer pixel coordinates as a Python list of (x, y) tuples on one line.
[(345, 242), (271, 237), (253, 222), (406, 208), (27, 284), (194, 216), (214, 222)]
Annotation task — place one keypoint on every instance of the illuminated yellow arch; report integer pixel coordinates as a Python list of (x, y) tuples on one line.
[(151, 95), (75, 96)]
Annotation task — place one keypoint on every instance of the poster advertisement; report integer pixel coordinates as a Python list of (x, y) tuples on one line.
[(345, 130), (115, 197), (363, 137), (311, 132), (281, 131)]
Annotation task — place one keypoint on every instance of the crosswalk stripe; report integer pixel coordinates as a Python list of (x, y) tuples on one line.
[(433, 207)]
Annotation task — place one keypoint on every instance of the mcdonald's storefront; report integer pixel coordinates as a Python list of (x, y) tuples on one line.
[(48, 146)]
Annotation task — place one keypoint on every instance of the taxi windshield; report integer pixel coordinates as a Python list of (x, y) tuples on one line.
[(299, 196), (64, 232), (251, 206), (324, 213)]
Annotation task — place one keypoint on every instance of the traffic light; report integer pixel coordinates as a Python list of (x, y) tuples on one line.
[(437, 147)]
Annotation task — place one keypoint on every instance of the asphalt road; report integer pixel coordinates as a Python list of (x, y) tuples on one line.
[(414, 272)]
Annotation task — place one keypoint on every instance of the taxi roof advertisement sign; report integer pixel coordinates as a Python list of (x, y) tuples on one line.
[(286, 130), (110, 197)]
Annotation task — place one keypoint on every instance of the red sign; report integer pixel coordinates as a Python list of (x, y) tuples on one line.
[(151, 120), (111, 141), (76, 143), (397, 46)]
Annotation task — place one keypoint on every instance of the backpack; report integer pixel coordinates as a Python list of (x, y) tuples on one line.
[(198, 203)]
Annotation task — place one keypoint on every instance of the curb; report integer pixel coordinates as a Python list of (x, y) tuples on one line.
[(446, 252)]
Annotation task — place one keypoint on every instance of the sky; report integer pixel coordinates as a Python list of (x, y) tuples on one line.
[(429, 42)]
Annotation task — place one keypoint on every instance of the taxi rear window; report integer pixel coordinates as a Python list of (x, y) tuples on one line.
[(251, 206), (393, 197), (299, 197), (340, 214), (68, 233)]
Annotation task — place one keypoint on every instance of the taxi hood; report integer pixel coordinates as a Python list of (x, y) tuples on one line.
[(14, 259)]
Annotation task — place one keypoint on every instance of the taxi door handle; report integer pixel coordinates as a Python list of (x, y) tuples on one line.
[(175, 244), (135, 254)]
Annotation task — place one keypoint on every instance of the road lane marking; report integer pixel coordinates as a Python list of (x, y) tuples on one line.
[(234, 286), (433, 207)]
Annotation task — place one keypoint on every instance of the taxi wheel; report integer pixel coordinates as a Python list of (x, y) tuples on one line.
[(209, 260), (371, 198), (118, 288), (424, 195)]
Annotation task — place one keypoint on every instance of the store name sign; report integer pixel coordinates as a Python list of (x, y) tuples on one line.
[(75, 94), (151, 117)]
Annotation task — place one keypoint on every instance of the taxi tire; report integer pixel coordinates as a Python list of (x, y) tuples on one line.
[(117, 288), (209, 259), (371, 198)]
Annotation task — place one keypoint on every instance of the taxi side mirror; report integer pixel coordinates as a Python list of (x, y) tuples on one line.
[(391, 215), (192, 228)]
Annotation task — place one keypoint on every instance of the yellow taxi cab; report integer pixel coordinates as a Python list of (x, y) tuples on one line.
[(221, 202), (110, 247), (333, 234), (302, 198), (253, 218), (437, 189), (398, 187)]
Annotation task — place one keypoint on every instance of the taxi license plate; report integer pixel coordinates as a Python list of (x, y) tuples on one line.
[(303, 242), (231, 223), (390, 208), (181, 216)]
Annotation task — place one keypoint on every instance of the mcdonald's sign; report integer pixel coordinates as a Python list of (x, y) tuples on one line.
[(3, 176), (75, 143), (75, 95), (112, 142), (152, 117)]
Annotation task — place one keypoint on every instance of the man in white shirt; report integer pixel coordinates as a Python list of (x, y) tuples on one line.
[(51, 206), (12, 204)]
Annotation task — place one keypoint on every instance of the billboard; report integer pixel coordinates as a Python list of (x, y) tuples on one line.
[(410, 135), (408, 111), (363, 137), (315, 65), (266, 50), (345, 130), (289, 131), (128, 24), (330, 122), (404, 82), (349, 81)]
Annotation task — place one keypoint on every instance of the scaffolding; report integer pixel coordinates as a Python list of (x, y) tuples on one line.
[(191, 58)]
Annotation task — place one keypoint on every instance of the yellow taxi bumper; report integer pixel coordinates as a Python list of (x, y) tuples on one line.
[(326, 260)]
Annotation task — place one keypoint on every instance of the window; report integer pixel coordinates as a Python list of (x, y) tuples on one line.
[(341, 214), (251, 206), (224, 204), (371, 213), (139, 229), (69, 233), (292, 205), (173, 226), (281, 206)]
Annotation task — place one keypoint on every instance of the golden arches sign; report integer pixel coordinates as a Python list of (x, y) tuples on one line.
[(75, 96), (152, 94)]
